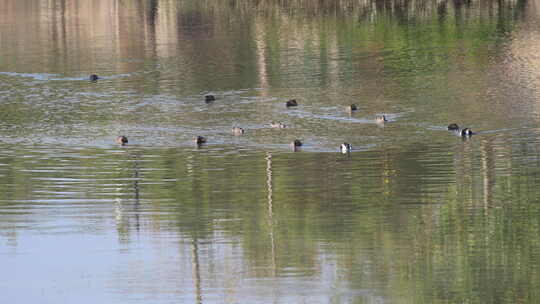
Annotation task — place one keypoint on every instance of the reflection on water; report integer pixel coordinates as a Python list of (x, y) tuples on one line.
[(413, 215), (214, 226)]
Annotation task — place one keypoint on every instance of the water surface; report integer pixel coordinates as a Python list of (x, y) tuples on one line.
[(414, 214)]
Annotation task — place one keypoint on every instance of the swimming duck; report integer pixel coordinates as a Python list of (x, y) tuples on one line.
[(199, 140), (458, 131), (453, 127), (277, 125), (345, 148), (352, 108), (291, 103), (466, 132), (209, 98), (94, 77), (237, 131), (121, 140), (381, 119), (296, 144)]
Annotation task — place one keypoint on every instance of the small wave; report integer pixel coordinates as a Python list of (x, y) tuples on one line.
[(36, 76)]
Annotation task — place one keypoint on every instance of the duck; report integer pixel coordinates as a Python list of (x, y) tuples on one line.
[(381, 119), (291, 103), (93, 77), (465, 132), (352, 108), (199, 140), (453, 127), (121, 140), (209, 98), (345, 148), (277, 125), (296, 144), (238, 131)]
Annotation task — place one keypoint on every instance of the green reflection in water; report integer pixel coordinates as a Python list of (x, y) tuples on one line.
[(410, 224), (412, 216)]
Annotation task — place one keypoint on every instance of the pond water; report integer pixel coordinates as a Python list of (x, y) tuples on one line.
[(414, 214)]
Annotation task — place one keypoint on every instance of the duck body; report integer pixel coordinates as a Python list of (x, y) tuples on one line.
[(93, 77), (199, 140), (209, 98), (352, 108), (345, 148), (453, 127), (291, 103), (277, 125), (465, 132), (381, 119), (296, 144)]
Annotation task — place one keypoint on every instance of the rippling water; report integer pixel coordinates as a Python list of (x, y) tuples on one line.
[(414, 214)]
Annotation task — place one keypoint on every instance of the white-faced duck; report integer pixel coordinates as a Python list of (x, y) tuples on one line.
[(93, 77), (237, 131), (381, 119), (345, 148), (199, 140), (291, 103), (352, 108), (277, 125), (465, 132), (209, 98), (121, 140)]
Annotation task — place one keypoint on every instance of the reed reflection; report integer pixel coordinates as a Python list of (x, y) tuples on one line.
[(488, 171), (196, 270), (128, 213), (271, 212)]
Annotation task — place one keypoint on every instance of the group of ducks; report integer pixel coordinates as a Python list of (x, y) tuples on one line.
[(296, 144)]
